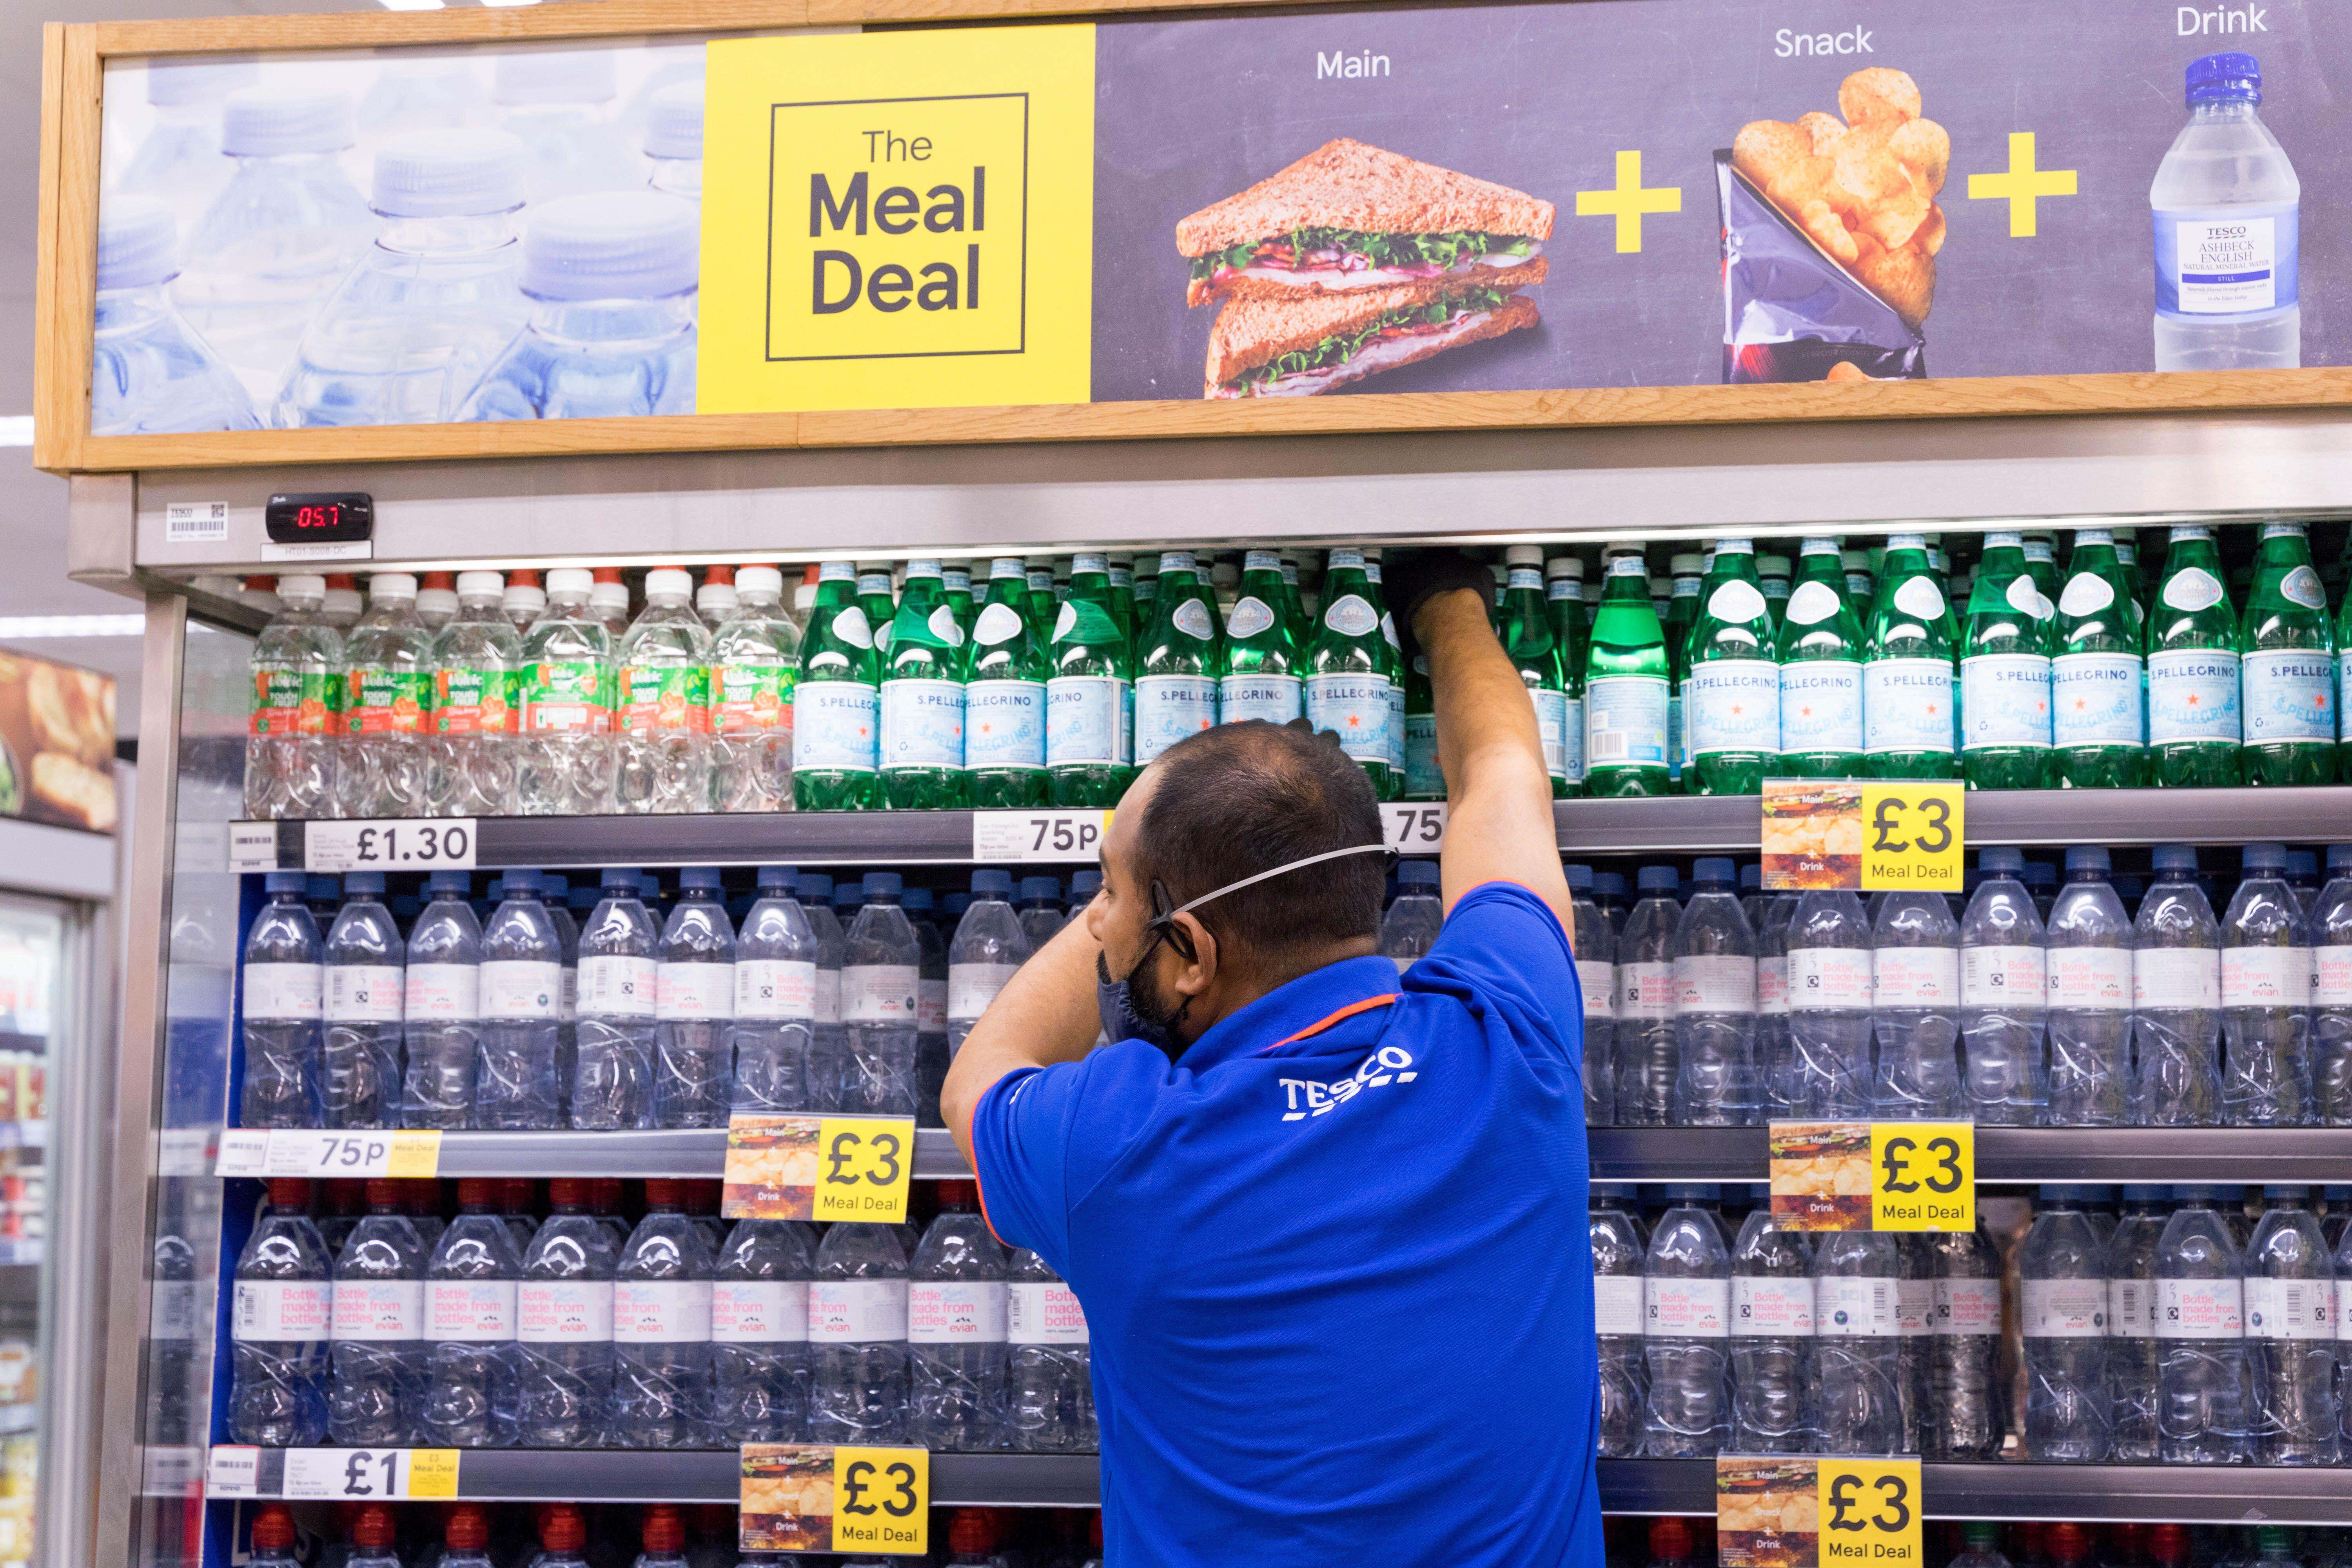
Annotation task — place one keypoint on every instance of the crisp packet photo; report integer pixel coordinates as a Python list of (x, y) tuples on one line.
[(1791, 311)]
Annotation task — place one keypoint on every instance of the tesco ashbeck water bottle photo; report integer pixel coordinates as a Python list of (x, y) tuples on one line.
[(2090, 972), (2203, 1407), (2227, 206), (1715, 1004), (988, 946), (2291, 1334), (517, 1076), (1829, 945), (151, 371), (694, 1008), (2265, 997), (777, 955), (2003, 996), (360, 1073), (612, 1086), (1596, 977), (2176, 996), (280, 1308), (283, 984), (1648, 1055)]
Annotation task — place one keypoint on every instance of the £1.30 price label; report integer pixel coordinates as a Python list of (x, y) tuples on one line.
[(1870, 1513), (1912, 835), (443, 845), (1923, 1175), (1045, 838), (863, 1166)]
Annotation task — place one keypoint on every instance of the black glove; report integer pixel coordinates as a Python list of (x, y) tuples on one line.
[(1413, 577)]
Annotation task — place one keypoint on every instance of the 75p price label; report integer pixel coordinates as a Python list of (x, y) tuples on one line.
[(1044, 837), (288, 1151), (1870, 1512), (1912, 835), (443, 844), (1413, 830), (1923, 1175)]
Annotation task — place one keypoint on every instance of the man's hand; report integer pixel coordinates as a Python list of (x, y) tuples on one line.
[(1498, 821), (1046, 1013)]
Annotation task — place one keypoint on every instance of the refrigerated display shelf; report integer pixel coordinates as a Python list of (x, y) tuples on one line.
[(1667, 824), (2185, 1494), (2305, 1154), (695, 1154)]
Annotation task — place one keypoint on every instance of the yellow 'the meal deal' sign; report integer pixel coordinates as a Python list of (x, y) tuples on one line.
[(897, 219)]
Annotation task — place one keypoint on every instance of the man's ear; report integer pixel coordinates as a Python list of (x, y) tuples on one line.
[(1195, 976)]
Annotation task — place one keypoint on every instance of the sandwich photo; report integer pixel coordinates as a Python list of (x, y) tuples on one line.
[(1347, 219), (1264, 347)]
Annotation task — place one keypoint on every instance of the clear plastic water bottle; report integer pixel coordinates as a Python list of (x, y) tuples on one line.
[(2202, 1411), (661, 1327), (988, 945), (613, 1081), (1771, 1336), (2003, 996), (2290, 1308), (472, 1368), (151, 371), (278, 1320), (2266, 997), (2177, 998), (1686, 1323), (409, 330), (694, 1008), (2132, 1353), (759, 1331), (1409, 928), (1596, 977), (612, 282), (1620, 1249), (294, 723), (828, 1067), (2090, 970), (281, 234), (382, 765), (1049, 1397), (932, 1053), (563, 1325), (881, 971), (2227, 204), (1915, 1312), (477, 658), (559, 103), (1041, 909), (674, 140), (664, 748), (858, 1382), (1828, 944), (754, 665), (2064, 1306), (1914, 965), (360, 1073), (1649, 1057), (179, 161), (284, 984), (776, 960), (1715, 1004), (516, 1074), (2330, 930), (956, 1329), (1980, 1546), (378, 1350), (1961, 1417), (1858, 1401)]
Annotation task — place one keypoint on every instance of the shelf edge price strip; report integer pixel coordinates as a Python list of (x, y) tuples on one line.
[(405, 844), (808, 1166), (1413, 830), (1874, 1175), (291, 1151), (814, 1496), (1044, 837), (340, 1475), (1897, 835), (1778, 1510)]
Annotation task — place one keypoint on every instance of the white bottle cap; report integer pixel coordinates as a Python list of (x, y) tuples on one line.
[(1523, 555), (1855, 560), (765, 580), (437, 601), (715, 600), (301, 585), (615, 244), (674, 122), (391, 585), (571, 580), (612, 595), (480, 584), (664, 582), (448, 173), (556, 75), (138, 243), (1564, 566), (1772, 566), (258, 123), (198, 79), (343, 601), (1687, 565)]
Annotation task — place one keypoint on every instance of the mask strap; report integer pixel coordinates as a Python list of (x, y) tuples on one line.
[(1278, 870)]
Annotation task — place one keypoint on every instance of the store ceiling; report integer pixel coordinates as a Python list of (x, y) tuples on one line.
[(33, 504)]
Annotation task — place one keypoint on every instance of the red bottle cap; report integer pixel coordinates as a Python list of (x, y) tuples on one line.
[(561, 1528), (438, 580), (469, 1528), (715, 1520), (662, 1193), (289, 1195), (567, 1192), (374, 1530), (720, 574), (518, 1193), (522, 578), (2067, 1543), (665, 1533), (970, 1532), (383, 1196), (959, 1194), (607, 1190), (701, 1197), (273, 1527), (422, 1198), (604, 573), (1670, 1538), (476, 1193), (342, 580), (2169, 1543), (261, 585)]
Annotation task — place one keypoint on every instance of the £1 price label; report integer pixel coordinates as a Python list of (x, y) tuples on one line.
[(881, 1502), (863, 1164), (1045, 838), (1912, 835), (371, 1475), (1923, 1175), (1870, 1512), (440, 845), (1413, 830)]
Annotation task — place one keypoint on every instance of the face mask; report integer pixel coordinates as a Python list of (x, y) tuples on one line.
[(1124, 1016)]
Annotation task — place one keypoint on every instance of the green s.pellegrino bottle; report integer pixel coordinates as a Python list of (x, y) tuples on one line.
[(1122, 590), (837, 701), (1689, 573), (1293, 600), (1860, 586), (1261, 674), (2344, 684), (1348, 667), (1529, 638), (1042, 606), (1176, 671), (922, 699), (1005, 697), (1625, 687), (1392, 651), (955, 578), (1089, 694), (1907, 686), (2041, 564), (1820, 649), (2098, 675), (1731, 694), (1564, 597), (2288, 653), (2005, 672), (1425, 775), (2194, 724), (875, 598), (1773, 575)]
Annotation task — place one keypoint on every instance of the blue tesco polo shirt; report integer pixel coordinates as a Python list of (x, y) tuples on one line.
[(1336, 1265)]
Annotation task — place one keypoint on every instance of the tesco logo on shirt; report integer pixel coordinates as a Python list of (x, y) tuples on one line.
[(1305, 1097)]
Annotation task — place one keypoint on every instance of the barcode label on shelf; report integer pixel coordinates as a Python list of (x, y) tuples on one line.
[(443, 844), (370, 1475), (290, 1152), (195, 522), (253, 847), (1413, 830), (233, 1472), (1001, 837)]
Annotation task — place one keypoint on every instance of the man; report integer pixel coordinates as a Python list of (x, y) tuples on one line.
[(1328, 1224)]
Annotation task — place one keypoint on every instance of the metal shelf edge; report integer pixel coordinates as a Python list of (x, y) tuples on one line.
[(2189, 1494), (693, 1153), (2302, 1155)]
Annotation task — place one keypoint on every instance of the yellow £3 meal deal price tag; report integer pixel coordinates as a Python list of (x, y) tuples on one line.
[(1870, 1512), (413, 1154), (433, 1472), (1912, 835), (1923, 1175), (881, 1502), (863, 1166), (898, 220)]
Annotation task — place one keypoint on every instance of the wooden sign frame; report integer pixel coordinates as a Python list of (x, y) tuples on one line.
[(72, 80)]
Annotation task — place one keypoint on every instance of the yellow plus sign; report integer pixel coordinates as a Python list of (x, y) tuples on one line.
[(2021, 184), (1629, 201)]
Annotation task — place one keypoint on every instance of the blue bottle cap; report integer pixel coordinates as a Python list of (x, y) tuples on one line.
[(285, 882), (364, 882), (917, 900), (456, 884), (2041, 874), (2218, 77), (2299, 863), (1714, 868), (1580, 878), (2001, 859), (816, 887), (882, 884), (2337, 1192), (2269, 858), (2285, 1190), (321, 887), (954, 904), (1655, 879), (2197, 1193), (991, 884), (1084, 886), (2144, 1193), (497, 890), (2087, 858), (1691, 1192), (2174, 857), (624, 877), (555, 885), (1425, 874), (776, 877), (847, 895), (582, 898), (703, 877), (1614, 1189), (648, 885), (1046, 887), (1751, 877), (1609, 884), (2340, 857), (520, 882)]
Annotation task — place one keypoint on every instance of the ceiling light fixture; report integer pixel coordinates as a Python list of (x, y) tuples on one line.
[(16, 429), (36, 628)]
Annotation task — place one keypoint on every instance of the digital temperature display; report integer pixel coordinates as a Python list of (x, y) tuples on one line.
[(339, 519)]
